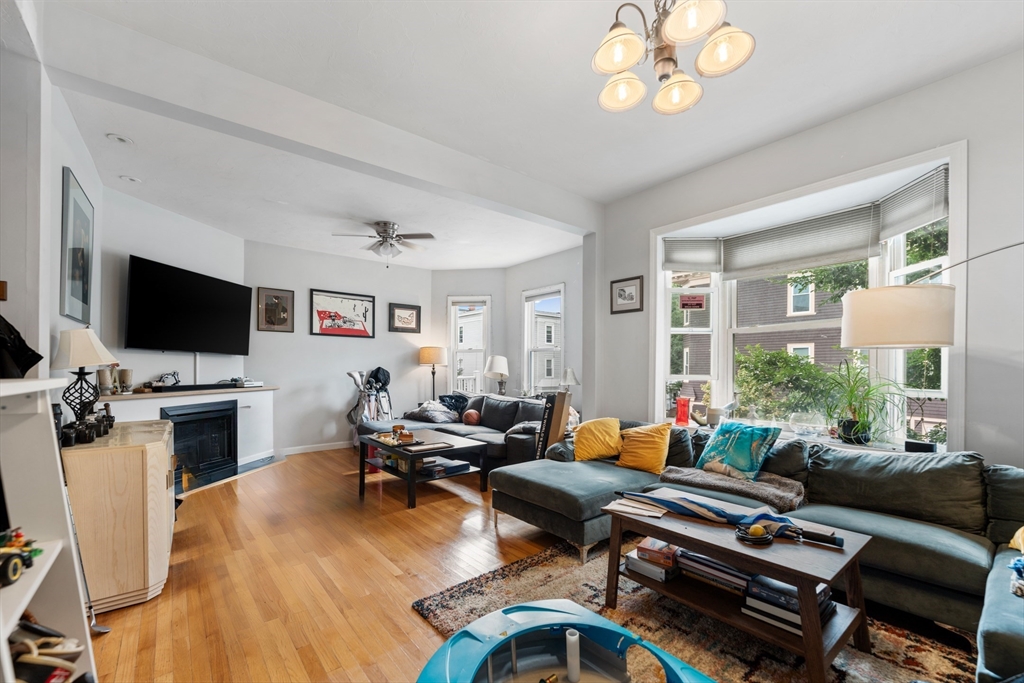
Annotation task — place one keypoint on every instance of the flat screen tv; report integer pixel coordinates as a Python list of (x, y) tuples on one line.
[(172, 309)]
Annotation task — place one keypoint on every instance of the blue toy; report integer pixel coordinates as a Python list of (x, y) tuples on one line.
[(530, 639)]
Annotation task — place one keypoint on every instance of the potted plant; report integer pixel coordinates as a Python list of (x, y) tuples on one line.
[(861, 405)]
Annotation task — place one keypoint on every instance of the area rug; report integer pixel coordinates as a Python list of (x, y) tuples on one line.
[(718, 650)]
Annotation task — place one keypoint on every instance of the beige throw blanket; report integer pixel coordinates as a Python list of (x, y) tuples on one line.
[(785, 495)]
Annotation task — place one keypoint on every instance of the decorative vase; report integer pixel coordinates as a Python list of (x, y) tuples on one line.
[(124, 379), (806, 424), (106, 382), (848, 433)]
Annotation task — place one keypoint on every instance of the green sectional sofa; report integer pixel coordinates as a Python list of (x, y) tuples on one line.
[(940, 523)]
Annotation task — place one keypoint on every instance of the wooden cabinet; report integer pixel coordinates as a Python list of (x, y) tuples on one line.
[(122, 497)]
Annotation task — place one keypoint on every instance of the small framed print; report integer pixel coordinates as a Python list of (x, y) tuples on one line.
[(275, 310), (76, 251), (404, 318), (628, 295), (341, 314)]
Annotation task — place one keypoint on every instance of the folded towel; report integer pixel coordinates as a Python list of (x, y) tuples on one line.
[(783, 494)]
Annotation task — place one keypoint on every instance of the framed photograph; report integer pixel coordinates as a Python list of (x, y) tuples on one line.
[(341, 314), (403, 318), (275, 310), (628, 294), (76, 231)]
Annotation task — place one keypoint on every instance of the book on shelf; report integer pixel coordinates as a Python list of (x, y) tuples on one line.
[(782, 594), (711, 581), (439, 466), (783, 613), (786, 625), (649, 569), (712, 573), (714, 564)]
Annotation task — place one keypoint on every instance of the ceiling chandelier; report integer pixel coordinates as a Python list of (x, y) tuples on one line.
[(677, 23)]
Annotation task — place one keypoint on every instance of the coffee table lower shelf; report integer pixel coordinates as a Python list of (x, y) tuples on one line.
[(726, 606)]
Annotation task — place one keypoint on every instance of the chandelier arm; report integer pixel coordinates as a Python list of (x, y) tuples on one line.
[(643, 17)]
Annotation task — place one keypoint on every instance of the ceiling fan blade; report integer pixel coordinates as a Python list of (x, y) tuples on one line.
[(348, 234), (412, 245), (417, 236), (371, 246)]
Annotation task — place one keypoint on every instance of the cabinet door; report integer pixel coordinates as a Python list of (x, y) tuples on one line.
[(159, 541), (255, 426)]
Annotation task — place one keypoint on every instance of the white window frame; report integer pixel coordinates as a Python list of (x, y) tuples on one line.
[(549, 368), (668, 292), (790, 348), (954, 154), (686, 360), (789, 299), (526, 375), (453, 335), (549, 334)]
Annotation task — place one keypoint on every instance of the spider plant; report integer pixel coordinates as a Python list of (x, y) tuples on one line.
[(861, 405)]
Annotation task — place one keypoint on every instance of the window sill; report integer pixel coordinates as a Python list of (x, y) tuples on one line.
[(789, 435)]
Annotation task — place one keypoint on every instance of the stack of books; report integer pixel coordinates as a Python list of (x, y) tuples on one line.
[(712, 572), (651, 570), (776, 603), (436, 467)]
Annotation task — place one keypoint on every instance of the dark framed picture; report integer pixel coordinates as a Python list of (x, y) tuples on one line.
[(628, 294), (403, 318), (76, 231), (275, 310), (341, 314)]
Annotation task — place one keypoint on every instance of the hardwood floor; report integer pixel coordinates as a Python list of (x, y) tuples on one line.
[(284, 575)]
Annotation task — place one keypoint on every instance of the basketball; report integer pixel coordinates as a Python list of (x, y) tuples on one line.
[(471, 417)]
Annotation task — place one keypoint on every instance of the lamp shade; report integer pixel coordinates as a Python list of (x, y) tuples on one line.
[(677, 94), (692, 20), (569, 377), (620, 50), (727, 49), (80, 348), (433, 355), (496, 368), (899, 317), (622, 92)]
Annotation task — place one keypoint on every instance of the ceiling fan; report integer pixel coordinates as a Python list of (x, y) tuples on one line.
[(388, 240)]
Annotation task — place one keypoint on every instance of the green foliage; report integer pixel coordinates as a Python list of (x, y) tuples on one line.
[(852, 393), (924, 369), (931, 241), (777, 383), (836, 280)]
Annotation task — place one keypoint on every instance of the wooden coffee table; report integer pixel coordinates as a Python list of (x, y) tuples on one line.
[(803, 565), (459, 447)]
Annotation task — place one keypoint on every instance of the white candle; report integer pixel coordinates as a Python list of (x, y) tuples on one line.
[(572, 655)]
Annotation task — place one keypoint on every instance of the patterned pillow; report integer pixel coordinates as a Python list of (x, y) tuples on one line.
[(455, 402), (737, 450), (432, 411)]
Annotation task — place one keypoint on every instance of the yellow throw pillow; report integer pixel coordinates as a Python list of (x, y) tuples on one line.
[(1017, 542), (645, 448), (597, 439)]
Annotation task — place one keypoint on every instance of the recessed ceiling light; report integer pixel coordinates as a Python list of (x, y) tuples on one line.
[(124, 140), (130, 179)]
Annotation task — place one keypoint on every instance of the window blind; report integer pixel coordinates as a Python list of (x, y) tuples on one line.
[(919, 203), (693, 255)]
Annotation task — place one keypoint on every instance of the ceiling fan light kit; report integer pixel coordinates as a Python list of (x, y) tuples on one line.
[(677, 23), (388, 242)]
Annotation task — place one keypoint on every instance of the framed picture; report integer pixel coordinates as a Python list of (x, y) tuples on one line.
[(340, 314), (76, 230), (403, 318), (628, 294), (275, 310)]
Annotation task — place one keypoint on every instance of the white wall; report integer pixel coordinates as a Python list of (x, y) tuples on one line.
[(564, 267), (315, 394), (133, 227), (981, 105)]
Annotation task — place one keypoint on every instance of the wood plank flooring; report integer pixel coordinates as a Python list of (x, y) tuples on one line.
[(284, 575)]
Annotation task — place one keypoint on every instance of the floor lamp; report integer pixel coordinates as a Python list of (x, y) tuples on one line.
[(433, 356)]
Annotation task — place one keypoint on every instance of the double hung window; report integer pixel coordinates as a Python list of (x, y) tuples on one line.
[(543, 315)]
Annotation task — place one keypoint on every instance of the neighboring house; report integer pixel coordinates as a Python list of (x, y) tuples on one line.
[(546, 349)]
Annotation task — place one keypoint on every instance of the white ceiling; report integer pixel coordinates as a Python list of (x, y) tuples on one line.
[(510, 82), (267, 195)]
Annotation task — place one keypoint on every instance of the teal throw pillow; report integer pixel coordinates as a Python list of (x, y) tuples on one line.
[(737, 450)]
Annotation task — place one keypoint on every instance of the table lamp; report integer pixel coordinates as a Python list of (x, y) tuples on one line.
[(569, 379), (80, 348), (497, 368), (433, 356)]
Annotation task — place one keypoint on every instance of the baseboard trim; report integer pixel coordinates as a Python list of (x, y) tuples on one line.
[(295, 450), (255, 456)]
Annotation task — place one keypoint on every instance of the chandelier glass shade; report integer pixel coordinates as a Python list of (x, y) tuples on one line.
[(677, 94), (726, 50), (621, 49), (690, 21), (622, 92)]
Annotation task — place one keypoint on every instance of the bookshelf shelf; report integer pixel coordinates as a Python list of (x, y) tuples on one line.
[(14, 599)]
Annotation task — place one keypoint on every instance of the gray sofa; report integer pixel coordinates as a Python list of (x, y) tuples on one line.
[(940, 524), (497, 415)]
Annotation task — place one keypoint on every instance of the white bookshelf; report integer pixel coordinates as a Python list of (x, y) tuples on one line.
[(33, 482)]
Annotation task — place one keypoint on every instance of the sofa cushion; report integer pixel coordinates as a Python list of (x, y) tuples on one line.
[(1001, 631), (680, 449), (455, 402), (495, 443), (708, 493), (562, 451), (530, 411), (468, 431), (917, 550), (1005, 489), (499, 413), (738, 449), (520, 448), (377, 426), (577, 490), (598, 438), (942, 488), (645, 448), (788, 459), (475, 403)]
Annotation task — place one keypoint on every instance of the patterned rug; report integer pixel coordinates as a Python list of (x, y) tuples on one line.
[(720, 651)]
